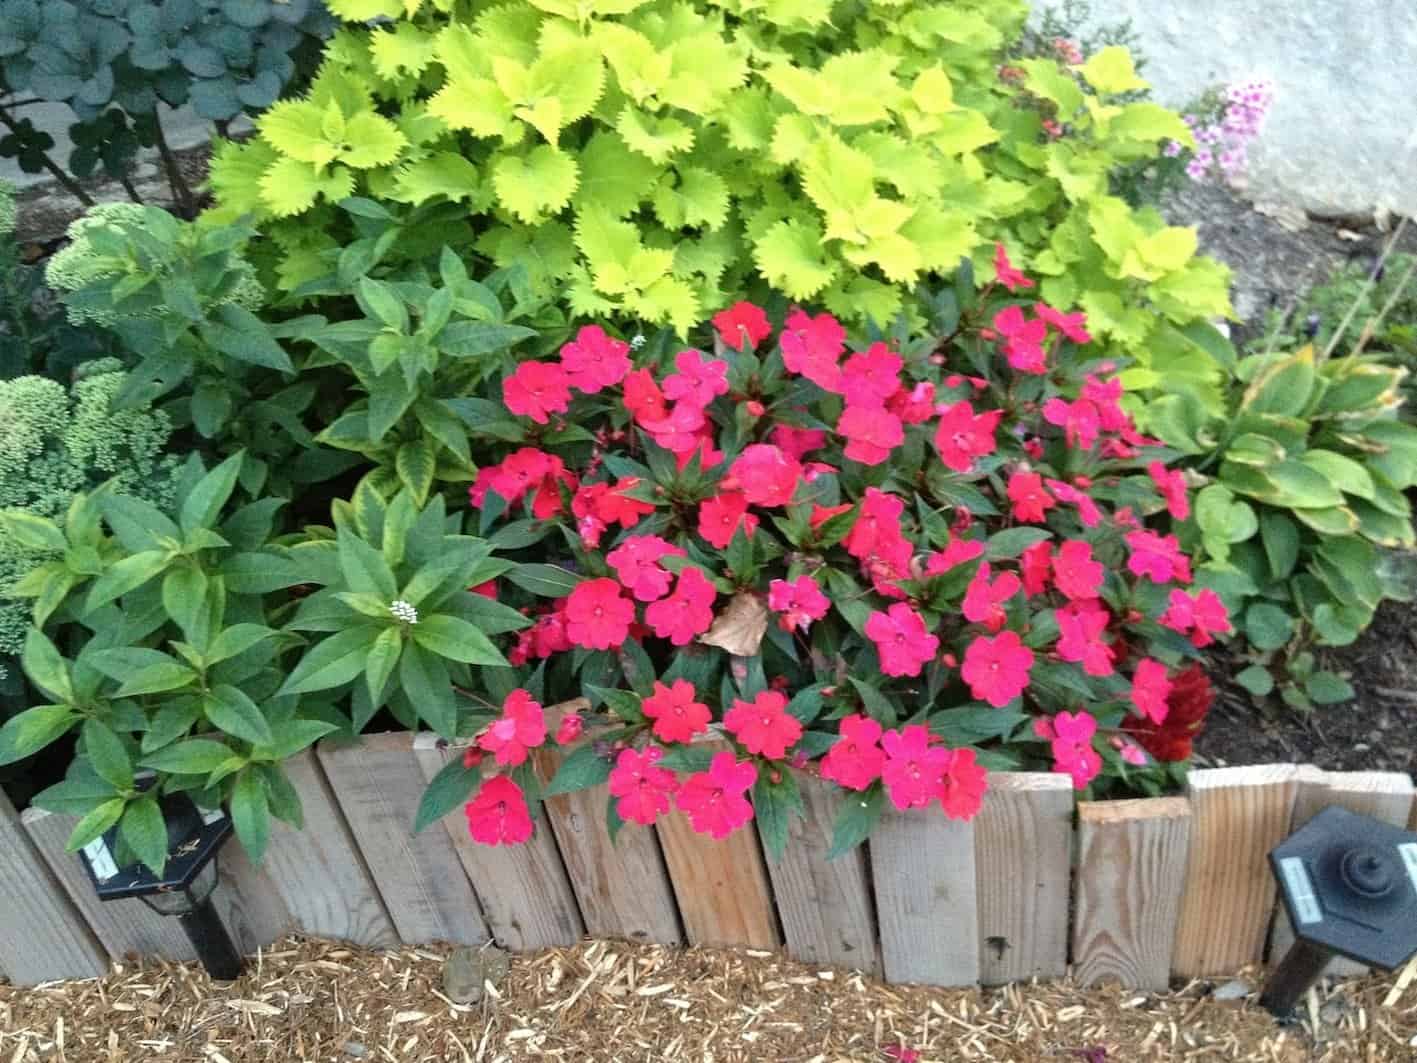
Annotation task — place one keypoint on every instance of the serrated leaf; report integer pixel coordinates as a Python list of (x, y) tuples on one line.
[(790, 256), (536, 185)]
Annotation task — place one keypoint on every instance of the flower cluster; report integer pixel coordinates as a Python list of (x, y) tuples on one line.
[(1224, 131), (939, 553)]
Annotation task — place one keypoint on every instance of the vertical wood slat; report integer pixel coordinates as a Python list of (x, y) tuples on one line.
[(526, 897), (1238, 816), (1023, 856), (1384, 795), (379, 785), (825, 905), (42, 935), (319, 872), (721, 886), (621, 883), (1131, 867), (922, 866)]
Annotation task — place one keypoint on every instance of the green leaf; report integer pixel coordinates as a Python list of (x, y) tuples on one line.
[(1268, 627), (125, 575), (383, 659), (1281, 543), (236, 714), (1327, 688), (235, 640), (30, 731), (290, 737), (424, 679), (1341, 471), (195, 756), (250, 813), (774, 805), (1012, 542), (94, 824), (1257, 680), (878, 706), (202, 506), (184, 596), (1111, 71), (546, 581), (143, 829), (625, 704), (156, 678), (468, 339), (47, 670), (380, 300), (456, 639), (74, 797), (139, 525), (282, 797), (332, 662), (856, 818), (581, 770), (107, 754), (451, 788), (364, 568), (33, 532), (415, 464)]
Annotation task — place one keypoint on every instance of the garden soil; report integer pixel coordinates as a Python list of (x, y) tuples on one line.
[(611, 1002)]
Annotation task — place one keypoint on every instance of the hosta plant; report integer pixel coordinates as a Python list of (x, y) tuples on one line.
[(895, 563)]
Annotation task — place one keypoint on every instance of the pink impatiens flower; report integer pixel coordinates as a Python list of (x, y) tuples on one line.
[(1072, 747), (1030, 499), (598, 616), (1172, 485), (643, 398), (903, 642), (797, 442), (1073, 326), (721, 516), (536, 390), (1005, 272), (593, 360), (636, 565), (1150, 689), (1081, 626), (798, 603), (714, 800), (914, 770), (679, 432), (872, 377), (742, 325), (570, 728), (764, 474), (1202, 615), (812, 347), (997, 668), (984, 601), (1157, 557), (697, 381), (643, 788), (1075, 573), (498, 814), (856, 759), (1079, 421), (956, 552), (677, 716), (879, 522), (1023, 340), (763, 725), (1036, 563), (685, 613), (962, 787), (962, 435), (520, 728), (871, 433)]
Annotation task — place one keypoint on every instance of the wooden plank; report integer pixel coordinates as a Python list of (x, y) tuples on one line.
[(722, 886), (248, 901), (1131, 864), (1384, 795), (526, 897), (825, 905), (379, 784), (319, 871), (1238, 816), (620, 883), (922, 865), (1023, 840), (124, 928), (42, 935)]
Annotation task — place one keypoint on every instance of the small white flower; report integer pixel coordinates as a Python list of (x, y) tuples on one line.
[(404, 611), (637, 341)]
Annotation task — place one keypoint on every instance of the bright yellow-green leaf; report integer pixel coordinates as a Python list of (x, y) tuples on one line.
[(700, 200), (476, 104), (372, 140), (932, 91), (1342, 471), (294, 128), (654, 137), (445, 173), (1111, 71), (790, 255), (290, 186), (403, 50), (364, 10), (1160, 253), (537, 184)]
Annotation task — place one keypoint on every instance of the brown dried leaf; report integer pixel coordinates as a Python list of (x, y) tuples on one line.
[(740, 628)]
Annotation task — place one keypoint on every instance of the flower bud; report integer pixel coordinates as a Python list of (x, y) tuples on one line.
[(471, 757)]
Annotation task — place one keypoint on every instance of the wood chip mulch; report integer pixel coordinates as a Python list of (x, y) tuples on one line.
[(601, 1001)]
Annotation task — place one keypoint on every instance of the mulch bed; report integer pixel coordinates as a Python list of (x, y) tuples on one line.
[(599, 1002)]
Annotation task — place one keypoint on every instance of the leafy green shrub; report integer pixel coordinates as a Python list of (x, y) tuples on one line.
[(654, 161)]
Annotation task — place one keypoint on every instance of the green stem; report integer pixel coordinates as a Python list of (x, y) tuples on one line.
[(181, 192)]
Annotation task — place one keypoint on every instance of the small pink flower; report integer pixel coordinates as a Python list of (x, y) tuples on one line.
[(879, 522), (903, 642), (643, 398), (797, 442), (763, 725), (677, 716), (714, 800), (913, 406), (593, 360), (636, 565), (1105, 396), (799, 602), (812, 347), (643, 788), (871, 433), (962, 435), (1023, 339), (721, 516), (498, 814), (765, 475), (1172, 485), (1030, 500), (1081, 627), (521, 728), (1036, 563), (914, 769), (680, 431), (1075, 573), (685, 613), (1073, 326), (1072, 747), (1005, 272), (997, 668), (742, 326), (856, 759), (1150, 689), (872, 377), (962, 788), (1157, 557), (956, 552), (1079, 420), (1088, 512), (984, 601), (598, 617), (536, 390), (697, 381), (1202, 615), (570, 728)]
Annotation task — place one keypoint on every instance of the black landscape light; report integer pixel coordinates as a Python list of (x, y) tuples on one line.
[(187, 882), (1349, 884)]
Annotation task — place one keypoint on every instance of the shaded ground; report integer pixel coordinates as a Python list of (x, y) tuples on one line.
[(600, 1002)]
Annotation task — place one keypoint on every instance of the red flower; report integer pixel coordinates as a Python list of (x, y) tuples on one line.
[(1106, 396), (871, 434), (1036, 563), (636, 565), (521, 727), (742, 326), (497, 813), (879, 522), (536, 390), (1202, 615), (697, 381), (800, 602), (569, 729), (1023, 339), (763, 725), (997, 668), (713, 800), (870, 378), (1172, 485), (519, 472), (962, 788), (1157, 557), (914, 770), (593, 360), (1073, 326), (643, 788), (1150, 688), (855, 760), (1081, 626), (685, 613), (1186, 707), (797, 442), (956, 552), (1079, 420), (721, 515), (984, 601), (1004, 271), (765, 475), (915, 406), (1030, 500), (903, 642), (812, 347), (1075, 573), (1072, 747), (598, 617), (680, 431), (677, 716), (643, 399), (963, 435)]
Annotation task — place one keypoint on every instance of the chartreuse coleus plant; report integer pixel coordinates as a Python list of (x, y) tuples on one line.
[(1303, 499), (653, 161), (894, 563)]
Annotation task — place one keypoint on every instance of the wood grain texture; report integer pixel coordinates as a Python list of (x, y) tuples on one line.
[(922, 866), (124, 928), (1384, 795), (1238, 816), (248, 901), (42, 935), (825, 905), (526, 897), (1131, 866), (721, 886), (319, 872), (1023, 856), (379, 784), (621, 884)]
